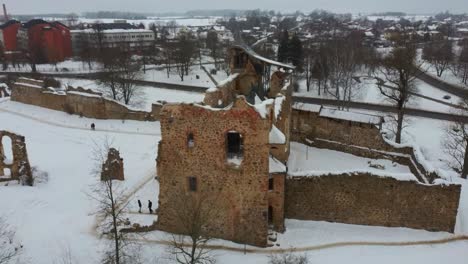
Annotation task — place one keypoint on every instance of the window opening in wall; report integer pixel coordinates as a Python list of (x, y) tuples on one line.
[(235, 147), (270, 215), (190, 140), (7, 150), (192, 184), (6, 173), (270, 183)]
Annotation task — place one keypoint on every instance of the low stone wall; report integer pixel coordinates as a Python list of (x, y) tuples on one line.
[(358, 139), (78, 101), (367, 199)]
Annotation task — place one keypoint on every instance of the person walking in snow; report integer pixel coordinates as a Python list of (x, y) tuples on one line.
[(93, 126), (150, 205), (139, 206)]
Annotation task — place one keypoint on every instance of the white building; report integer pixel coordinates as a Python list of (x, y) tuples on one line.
[(131, 39)]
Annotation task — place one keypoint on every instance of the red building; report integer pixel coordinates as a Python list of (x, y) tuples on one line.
[(9, 32), (45, 42)]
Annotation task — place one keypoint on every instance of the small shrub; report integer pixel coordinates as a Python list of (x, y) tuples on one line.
[(51, 82), (288, 258)]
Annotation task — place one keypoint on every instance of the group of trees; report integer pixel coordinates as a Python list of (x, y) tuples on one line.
[(443, 56), (440, 54)]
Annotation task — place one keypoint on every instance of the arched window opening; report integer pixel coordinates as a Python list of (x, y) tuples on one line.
[(7, 150)]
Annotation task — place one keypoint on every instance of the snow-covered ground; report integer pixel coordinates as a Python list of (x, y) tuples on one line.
[(58, 214), (68, 66), (305, 159), (146, 95), (447, 76), (203, 81)]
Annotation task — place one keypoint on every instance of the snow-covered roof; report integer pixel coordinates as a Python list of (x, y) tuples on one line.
[(350, 116), (253, 54), (307, 107), (276, 166), (276, 136)]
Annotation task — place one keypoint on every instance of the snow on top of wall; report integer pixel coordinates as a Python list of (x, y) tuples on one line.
[(212, 90), (85, 94), (262, 108), (278, 105), (276, 136), (307, 107), (28, 85), (229, 79), (276, 166), (396, 176), (350, 116)]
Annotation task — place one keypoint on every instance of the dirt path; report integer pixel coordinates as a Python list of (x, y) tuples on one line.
[(318, 247)]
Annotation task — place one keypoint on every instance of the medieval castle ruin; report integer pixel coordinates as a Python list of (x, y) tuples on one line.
[(232, 150)]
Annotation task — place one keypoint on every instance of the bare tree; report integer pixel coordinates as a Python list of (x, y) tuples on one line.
[(439, 54), (460, 66), (129, 72), (400, 70), (120, 75), (194, 214), (10, 249), (184, 53), (110, 210), (212, 43), (342, 65), (456, 144)]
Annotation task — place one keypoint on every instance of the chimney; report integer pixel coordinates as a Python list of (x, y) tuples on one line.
[(5, 15)]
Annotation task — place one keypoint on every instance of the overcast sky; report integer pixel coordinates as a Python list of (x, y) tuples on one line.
[(159, 6)]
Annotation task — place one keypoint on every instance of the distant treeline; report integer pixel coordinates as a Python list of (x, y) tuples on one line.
[(116, 14), (396, 14)]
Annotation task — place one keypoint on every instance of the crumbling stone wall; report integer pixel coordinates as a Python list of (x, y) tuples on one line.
[(366, 199), (241, 192), (77, 101), (310, 125), (19, 167), (354, 138), (113, 168)]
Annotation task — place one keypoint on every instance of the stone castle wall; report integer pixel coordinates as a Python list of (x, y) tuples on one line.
[(366, 199), (241, 193), (78, 101), (358, 139)]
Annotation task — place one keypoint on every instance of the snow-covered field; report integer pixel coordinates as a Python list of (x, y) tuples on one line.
[(304, 159), (145, 96), (368, 92), (57, 215)]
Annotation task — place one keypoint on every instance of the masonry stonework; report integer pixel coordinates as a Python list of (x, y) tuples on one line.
[(366, 199), (241, 191), (77, 101), (19, 166), (113, 168)]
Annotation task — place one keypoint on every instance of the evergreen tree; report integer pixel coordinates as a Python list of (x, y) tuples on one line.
[(296, 52), (283, 48)]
